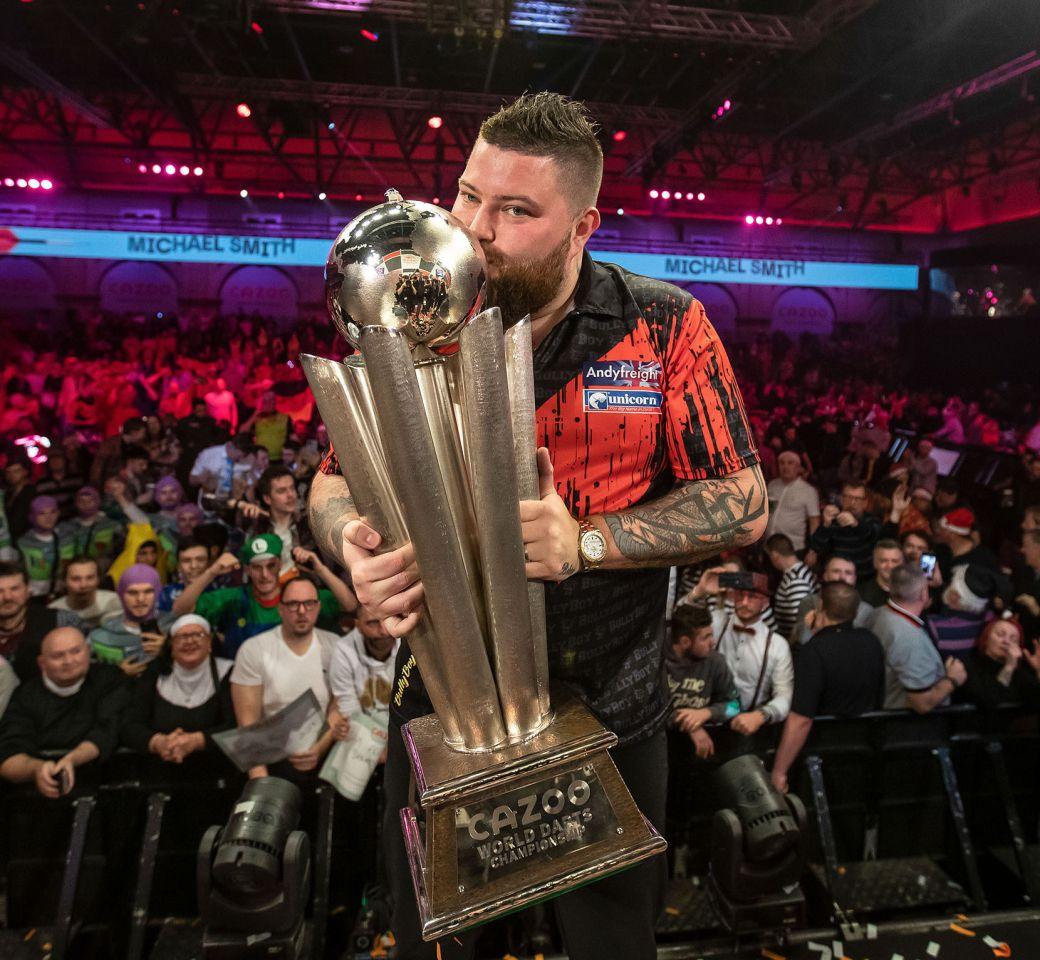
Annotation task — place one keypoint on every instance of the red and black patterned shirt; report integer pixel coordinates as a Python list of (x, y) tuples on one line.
[(634, 394)]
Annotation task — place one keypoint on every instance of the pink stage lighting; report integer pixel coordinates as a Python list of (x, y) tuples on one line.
[(702, 196), (619, 135), (170, 169), (435, 123), (197, 171), (654, 194), (46, 184), (244, 110), (666, 195), (156, 168), (749, 220)]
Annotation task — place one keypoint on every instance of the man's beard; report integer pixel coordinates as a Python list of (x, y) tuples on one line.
[(519, 287)]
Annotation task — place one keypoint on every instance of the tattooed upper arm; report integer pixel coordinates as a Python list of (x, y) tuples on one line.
[(697, 520)]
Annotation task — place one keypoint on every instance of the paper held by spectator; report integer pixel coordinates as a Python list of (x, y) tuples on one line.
[(351, 762), (291, 730)]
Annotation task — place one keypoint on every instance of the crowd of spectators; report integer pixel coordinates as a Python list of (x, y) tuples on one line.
[(159, 583)]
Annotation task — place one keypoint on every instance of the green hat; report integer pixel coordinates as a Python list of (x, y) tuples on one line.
[(265, 546)]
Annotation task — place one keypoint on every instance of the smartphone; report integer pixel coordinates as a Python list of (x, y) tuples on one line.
[(928, 561), (737, 580), (64, 781)]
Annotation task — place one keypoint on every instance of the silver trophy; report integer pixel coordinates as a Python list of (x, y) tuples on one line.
[(434, 428)]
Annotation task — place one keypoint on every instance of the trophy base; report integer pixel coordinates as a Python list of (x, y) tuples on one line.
[(495, 832)]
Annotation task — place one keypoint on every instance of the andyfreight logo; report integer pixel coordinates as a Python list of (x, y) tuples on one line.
[(622, 373), (623, 401)]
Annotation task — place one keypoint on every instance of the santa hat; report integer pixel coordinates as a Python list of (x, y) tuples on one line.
[(976, 586), (959, 521)]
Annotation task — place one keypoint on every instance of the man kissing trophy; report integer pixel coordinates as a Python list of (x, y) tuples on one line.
[(516, 796)]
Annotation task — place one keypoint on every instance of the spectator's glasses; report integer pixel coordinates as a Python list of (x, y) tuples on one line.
[(197, 635), (301, 606)]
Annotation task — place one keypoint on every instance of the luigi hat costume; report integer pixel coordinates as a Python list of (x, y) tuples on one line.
[(264, 546)]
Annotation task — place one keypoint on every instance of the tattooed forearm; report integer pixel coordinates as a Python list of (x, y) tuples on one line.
[(693, 522), (330, 509)]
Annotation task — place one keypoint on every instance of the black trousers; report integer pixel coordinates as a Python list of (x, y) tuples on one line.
[(613, 917)]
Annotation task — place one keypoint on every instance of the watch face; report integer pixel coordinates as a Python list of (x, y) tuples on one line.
[(594, 546)]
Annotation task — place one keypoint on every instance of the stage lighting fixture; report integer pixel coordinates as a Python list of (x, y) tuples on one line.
[(244, 110), (170, 169), (197, 171), (757, 849), (702, 196), (243, 193), (357, 197), (34, 184), (185, 171), (769, 221), (666, 195), (654, 194), (435, 122), (689, 196), (156, 168), (370, 35), (8, 181), (759, 220), (142, 168), (620, 211), (619, 135), (322, 195), (256, 28), (437, 201), (22, 182), (749, 220), (331, 125), (254, 876), (778, 221), (46, 184)]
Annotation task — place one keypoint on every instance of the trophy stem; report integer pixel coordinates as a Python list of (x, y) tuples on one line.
[(345, 403), (410, 456), (520, 377), (485, 402), (433, 387)]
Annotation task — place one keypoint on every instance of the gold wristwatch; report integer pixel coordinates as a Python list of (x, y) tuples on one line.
[(592, 546)]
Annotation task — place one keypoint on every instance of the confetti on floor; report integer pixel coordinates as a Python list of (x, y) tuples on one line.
[(932, 949), (963, 931)]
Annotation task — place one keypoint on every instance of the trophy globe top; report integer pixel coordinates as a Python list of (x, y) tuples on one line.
[(407, 265)]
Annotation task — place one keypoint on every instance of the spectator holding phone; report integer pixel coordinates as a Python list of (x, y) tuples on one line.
[(134, 637), (73, 708)]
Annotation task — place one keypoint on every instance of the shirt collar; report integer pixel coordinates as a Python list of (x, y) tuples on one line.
[(905, 613), (597, 291)]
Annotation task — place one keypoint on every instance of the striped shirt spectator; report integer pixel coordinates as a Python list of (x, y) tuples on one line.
[(797, 582)]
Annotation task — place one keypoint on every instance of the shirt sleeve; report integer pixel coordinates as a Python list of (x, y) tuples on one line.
[(213, 604), (781, 676), (725, 703), (914, 661), (248, 669), (808, 682), (341, 678), (707, 431), (115, 693), (18, 733)]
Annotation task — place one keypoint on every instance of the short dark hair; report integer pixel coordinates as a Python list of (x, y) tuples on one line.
[(688, 618), (781, 543), (243, 442), (854, 485), (840, 601), (190, 543), (551, 125), (272, 473), (79, 560), (906, 582), (13, 568), (886, 543), (923, 534), (302, 578)]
